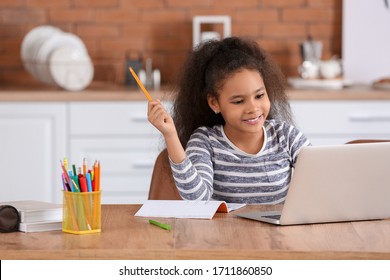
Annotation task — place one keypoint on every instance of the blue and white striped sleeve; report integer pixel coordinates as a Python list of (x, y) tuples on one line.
[(194, 176), (295, 141)]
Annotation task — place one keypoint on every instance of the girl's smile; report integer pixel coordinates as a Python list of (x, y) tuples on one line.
[(253, 121)]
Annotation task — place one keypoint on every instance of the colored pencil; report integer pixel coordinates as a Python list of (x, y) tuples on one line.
[(140, 84)]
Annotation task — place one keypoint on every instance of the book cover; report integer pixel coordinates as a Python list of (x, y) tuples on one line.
[(36, 211), (40, 226)]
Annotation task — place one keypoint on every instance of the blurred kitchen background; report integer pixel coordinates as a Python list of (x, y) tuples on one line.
[(333, 53), (116, 31)]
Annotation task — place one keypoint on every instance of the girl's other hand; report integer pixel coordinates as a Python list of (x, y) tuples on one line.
[(160, 118)]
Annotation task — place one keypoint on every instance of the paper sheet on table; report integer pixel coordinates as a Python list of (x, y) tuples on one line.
[(185, 208)]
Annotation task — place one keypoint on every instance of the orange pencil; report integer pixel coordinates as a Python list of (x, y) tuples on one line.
[(85, 167), (98, 176), (140, 84)]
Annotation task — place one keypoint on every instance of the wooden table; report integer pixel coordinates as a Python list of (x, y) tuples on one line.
[(125, 236)]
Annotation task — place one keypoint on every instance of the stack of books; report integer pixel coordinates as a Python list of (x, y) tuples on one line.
[(37, 216)]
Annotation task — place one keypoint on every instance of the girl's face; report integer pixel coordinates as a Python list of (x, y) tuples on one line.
[(243, 103)]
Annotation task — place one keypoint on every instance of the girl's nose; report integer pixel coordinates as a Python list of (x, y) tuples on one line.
[(252, 106)]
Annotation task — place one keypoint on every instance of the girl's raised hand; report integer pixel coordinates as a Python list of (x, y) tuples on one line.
[(160, 118)]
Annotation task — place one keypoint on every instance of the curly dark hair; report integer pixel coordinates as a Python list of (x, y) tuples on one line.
[(204, 73)]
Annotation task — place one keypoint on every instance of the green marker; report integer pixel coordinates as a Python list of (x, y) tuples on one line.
[(74, 170), (161, 225)]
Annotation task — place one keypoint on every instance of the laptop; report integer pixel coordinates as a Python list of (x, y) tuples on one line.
[(335, 184)]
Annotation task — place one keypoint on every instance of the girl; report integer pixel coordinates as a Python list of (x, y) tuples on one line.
[(232, 116)]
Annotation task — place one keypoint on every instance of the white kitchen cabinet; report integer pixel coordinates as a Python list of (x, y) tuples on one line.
[(33, 137), (120, 136), (336, 122)]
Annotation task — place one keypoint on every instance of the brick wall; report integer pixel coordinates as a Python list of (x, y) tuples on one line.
[(162, 30)]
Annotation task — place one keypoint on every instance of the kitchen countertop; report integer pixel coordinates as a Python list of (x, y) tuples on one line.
[(349, 93), (96, 92), (102, 92)]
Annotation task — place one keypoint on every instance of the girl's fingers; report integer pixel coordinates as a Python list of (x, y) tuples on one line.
[(152, 104), (159, 117), (157, 114), (156, 107)]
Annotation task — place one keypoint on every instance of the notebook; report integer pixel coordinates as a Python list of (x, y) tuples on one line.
[(335, 184), (36, 211), (40, 226), (197, 209)]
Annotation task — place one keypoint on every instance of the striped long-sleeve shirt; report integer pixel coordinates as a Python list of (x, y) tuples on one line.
[(214, 167)]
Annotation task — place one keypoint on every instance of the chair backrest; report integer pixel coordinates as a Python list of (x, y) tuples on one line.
[(162, 184)]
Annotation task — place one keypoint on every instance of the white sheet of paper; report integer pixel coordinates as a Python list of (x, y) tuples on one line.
[(183, 208)]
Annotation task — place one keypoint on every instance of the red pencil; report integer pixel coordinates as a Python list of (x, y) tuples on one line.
[(83, 183)]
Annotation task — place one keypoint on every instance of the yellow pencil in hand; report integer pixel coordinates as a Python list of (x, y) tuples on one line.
[(140, 84)]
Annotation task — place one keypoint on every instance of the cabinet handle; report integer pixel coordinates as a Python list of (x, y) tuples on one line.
[(139, 118), (143, 165), (369, 118)]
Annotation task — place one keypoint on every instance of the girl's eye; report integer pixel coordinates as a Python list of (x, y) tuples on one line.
[(259, 96), (237, 101)]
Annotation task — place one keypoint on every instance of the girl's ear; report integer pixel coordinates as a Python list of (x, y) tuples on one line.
[(213, 103)]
